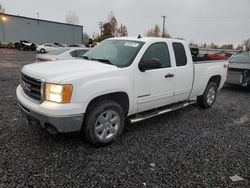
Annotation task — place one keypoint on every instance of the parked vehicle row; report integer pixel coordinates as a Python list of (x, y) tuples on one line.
[(222, 55), (25, 45), (121, 78), (61, 54), (42, 48)]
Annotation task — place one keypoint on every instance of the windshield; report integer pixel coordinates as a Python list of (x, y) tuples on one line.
[(240, 58), (120, 53)]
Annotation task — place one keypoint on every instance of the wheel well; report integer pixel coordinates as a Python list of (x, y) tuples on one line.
[(216, 79), (120, 97)]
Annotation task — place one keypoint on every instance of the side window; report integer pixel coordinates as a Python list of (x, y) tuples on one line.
[(180, 54), (73, 54), (80, 52), (159, 51)]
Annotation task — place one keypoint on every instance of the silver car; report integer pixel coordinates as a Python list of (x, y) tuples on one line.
[(61, 54)]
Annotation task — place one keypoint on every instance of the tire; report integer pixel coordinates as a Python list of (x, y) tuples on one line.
[(42, 51), (103, 123), (209, 96)]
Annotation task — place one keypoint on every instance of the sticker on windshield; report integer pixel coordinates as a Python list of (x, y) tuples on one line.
[(131, 44)]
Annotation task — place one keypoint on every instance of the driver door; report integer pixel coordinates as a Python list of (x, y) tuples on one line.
[(155, 88)]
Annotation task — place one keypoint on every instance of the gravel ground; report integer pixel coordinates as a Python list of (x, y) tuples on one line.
[(191, 147)]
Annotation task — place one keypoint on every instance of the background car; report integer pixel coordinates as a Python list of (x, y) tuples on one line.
[(222, 55), (239, 69), (61, 54), (25, 45), (47, 47), (77, 45), (60, 44)]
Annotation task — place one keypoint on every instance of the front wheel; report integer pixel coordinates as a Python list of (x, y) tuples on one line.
[(104, 123), (209, 96)]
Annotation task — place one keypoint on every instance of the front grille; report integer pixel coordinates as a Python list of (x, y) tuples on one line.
[(32, 87)]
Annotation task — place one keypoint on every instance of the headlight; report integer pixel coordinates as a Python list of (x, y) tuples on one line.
[(60, 93)]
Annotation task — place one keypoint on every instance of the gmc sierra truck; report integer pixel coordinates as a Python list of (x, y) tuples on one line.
[(120, 79)]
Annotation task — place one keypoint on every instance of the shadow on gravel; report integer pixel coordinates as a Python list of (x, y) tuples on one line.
[(237, 88)]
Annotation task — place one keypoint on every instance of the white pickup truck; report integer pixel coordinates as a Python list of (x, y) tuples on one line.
[(121, 78)]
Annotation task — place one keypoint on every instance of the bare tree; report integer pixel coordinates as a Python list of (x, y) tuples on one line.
[(154, 32), (72, 18), (246, 44), (85, 37), (110, 16)]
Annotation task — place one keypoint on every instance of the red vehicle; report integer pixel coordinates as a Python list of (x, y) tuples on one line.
[(222, 55)]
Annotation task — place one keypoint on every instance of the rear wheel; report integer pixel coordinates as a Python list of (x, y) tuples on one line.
[(209, 96), (104, 123), (42, 50)]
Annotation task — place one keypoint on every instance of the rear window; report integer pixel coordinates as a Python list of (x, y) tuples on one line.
[(180, 54), (78, 53)]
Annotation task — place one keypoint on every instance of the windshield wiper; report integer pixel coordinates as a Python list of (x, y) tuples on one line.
[(102, 60), (85, 57)]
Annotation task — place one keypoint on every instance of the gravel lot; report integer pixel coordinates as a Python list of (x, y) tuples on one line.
[(191, 147)]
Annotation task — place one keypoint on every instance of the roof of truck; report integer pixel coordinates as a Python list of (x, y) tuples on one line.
[(148, 39)]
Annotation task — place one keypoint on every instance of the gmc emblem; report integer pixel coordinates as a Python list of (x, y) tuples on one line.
[(25, 86)]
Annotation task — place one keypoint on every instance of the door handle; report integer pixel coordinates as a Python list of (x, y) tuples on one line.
[(169, 75)]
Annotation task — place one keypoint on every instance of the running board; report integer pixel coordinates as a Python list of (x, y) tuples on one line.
[(159, 112)]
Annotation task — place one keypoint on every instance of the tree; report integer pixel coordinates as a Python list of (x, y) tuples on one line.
[(85, 37), (113, 24), (156, 32), (246, 44), (72, 18), (122, 31), (111, 29), (227, 46), (240, 47), (110, 16), (107, 31), (214, 46)]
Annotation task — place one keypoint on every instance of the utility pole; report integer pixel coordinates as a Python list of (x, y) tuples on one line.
[(37, 17), (3, 19), (100, 25), (163, 26)]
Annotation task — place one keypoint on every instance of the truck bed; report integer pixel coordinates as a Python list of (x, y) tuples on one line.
[(204, 70)]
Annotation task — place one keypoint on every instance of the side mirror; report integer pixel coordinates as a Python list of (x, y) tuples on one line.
[(149, 64)]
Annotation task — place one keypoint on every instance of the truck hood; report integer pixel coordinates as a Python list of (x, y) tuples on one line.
[(58, 71), (235, 65)]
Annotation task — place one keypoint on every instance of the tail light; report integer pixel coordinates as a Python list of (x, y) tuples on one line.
[(226, 67), (42, 59)]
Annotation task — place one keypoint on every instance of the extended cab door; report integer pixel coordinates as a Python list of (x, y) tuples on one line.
[(184, 71), (155, 88)]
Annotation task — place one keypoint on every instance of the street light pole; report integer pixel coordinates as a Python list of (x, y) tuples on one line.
[(163, 27), (3, 19)]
